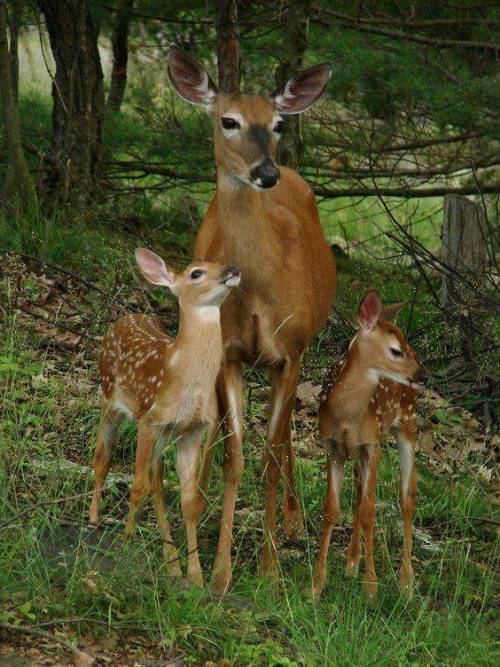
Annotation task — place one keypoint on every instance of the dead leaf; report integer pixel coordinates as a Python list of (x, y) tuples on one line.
[(308, 393), (38, 381), (83, 659)]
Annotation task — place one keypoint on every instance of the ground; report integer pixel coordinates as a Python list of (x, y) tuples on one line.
[(64, 585)]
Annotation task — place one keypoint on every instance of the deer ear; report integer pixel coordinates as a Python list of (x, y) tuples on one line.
[(190, 79), (369, 311), (299, 93), (390, 312), (153, 268)]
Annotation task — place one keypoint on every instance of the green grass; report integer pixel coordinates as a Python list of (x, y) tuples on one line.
[(449, 621), (48, 417)]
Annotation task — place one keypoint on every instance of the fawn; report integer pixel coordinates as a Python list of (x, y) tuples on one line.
[(372, 391), (168, 386)]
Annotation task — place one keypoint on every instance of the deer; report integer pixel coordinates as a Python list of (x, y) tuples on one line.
[(264, 218), (168, 386), (372, 391)]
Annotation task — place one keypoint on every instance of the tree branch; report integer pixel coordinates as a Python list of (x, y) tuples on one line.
[(352, 23), (406, 193)]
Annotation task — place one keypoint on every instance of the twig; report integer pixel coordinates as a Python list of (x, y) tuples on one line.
[(29, 630), (44, 503), (77, 277)]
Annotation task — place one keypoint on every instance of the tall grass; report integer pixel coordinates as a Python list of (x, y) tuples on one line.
[(53, 567)]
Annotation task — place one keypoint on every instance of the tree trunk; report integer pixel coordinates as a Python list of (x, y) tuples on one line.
[(228, 46), (465, 251), (14, 27), (20, 182), (295, 26), (78, 102), (120, 54)]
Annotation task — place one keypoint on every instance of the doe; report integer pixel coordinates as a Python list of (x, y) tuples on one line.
[(168, 386), (263, 217), (373, 390)]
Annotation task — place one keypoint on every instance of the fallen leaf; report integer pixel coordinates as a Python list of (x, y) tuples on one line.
[(83, 659)]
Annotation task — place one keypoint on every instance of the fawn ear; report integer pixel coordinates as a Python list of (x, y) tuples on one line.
[(190, 79), (299, 93), (390, 312), (369, 311), (153, 268)]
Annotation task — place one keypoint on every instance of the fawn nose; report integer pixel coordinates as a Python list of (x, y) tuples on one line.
[(266, 174), (231, 276)]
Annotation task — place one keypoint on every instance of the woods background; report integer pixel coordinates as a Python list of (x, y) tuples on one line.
[(98, 155)]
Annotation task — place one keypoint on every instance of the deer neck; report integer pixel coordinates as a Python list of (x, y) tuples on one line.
[(353, 391), (196, 353), (241, 214)]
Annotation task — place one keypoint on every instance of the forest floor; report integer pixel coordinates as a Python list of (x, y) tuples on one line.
[(70, 594)]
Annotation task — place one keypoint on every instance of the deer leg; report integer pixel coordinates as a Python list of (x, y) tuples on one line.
[(109, 422), (354, 550), (282, 400), (369, 457), (170, 552), (407, 494), (147, 437), (293, 521), (231, 401), (188, 449), (331, 510)]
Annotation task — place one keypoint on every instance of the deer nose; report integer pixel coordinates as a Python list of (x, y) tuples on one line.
[(233, 270), (266, 174)]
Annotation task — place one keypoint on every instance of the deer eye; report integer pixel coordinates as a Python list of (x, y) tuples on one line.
[(278, 128), (396, 352), (197, 273), (230, 124)]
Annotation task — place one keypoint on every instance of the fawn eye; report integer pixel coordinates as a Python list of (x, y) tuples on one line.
[(396, 352), (197, 273), (230, 124), (278, 128)]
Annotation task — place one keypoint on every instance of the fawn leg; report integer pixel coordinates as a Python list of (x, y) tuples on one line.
[(335, 476), (369, 458), (354, 550), (282, 399), (170, 552), (188, 450), (406, 438), (109, 422), (230, 394), (147, 436)]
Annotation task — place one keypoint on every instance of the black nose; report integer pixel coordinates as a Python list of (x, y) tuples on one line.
[(265, 174), (233, 270), (421, 375)]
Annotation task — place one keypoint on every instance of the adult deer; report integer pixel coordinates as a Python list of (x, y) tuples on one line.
[(264, 218), (372, 391), (168, 386)]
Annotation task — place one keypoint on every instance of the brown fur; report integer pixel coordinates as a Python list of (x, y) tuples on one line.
[(168, 386), (287, 291), (356, 410), (288, 285)]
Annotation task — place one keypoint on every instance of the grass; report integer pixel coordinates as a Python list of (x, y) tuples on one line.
[(93, 583), (54, 568)]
